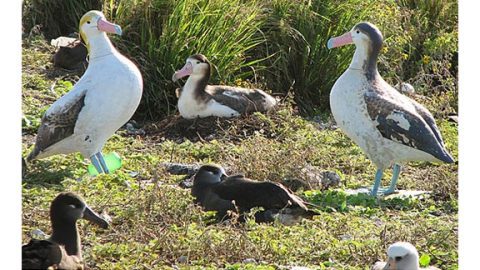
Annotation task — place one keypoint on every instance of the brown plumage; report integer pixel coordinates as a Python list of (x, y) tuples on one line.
[(422, 134), (71, 56), (213, 190), (56, 127)]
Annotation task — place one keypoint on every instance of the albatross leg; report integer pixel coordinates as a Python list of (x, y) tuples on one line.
[(96, 163), (393, 183), (102, 162), (376, 185)]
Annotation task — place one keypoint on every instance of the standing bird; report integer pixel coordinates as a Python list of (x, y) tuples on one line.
[(215, 191), (104, 99), (401, 256), (198, 99), (63, 249), (389, 127)]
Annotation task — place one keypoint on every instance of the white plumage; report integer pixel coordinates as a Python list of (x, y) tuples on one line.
[(103, 100), (401, 256)]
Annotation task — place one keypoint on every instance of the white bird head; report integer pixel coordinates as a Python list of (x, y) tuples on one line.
[(94, 23), (402, 256)]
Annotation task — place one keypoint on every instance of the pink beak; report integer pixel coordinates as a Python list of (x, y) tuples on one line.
[(108, 27), (340, 41), (185, 71)]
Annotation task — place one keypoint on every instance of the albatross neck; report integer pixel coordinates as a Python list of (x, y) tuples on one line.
[(100, 45), (365, 59), (196, 84), (65, 233)]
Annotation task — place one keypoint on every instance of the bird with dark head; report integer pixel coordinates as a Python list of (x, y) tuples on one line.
[(215, 191), (198, 99), (63, 249), (392, 129)]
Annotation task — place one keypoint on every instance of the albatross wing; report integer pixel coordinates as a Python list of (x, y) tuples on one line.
[(59, 120), (248, 194), (40, 254), (240, 99), (406, 126)]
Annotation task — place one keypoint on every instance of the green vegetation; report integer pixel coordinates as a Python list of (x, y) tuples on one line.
[(155, 224), (277, 45)]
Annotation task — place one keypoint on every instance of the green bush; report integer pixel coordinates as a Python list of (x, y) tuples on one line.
[(297, 34), (166, 32), (279, 45), (56, 17)]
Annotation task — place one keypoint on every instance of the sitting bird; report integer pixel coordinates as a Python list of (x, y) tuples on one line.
[(63, 249), (198, 99), (389, 127), (103, 100), (401, 256), (70, 53), (215, 191)]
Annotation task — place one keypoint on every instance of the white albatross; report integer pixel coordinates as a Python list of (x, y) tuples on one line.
[(401, 256), (104, 99), (389, 127)]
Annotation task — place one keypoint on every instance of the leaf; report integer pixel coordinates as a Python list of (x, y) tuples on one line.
[(343, 206), (424, 260)]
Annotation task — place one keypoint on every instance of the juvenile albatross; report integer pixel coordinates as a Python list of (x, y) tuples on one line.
[(104, 99), (389, 127), (215, 191), (63, 249), (198, 99)]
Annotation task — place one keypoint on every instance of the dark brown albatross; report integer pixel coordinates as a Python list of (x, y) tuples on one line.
[(63, 249), (215, 191)]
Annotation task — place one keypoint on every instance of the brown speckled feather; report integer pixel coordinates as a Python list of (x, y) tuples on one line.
[(241, 100), (427, 116), (57, 126), (383, 109)]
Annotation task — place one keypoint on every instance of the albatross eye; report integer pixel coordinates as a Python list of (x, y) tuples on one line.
[(398, 258), (198, 62), (88, 22)]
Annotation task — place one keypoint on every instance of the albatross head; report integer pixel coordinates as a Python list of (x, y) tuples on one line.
[(363, 34), (196, 64), (402, 256), (368, 41), (68, 207), (94, 23), (210, 174)]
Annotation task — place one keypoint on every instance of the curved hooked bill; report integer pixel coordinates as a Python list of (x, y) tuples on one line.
[(185, 71), (106, 26), (93, 217), (344, 39)]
